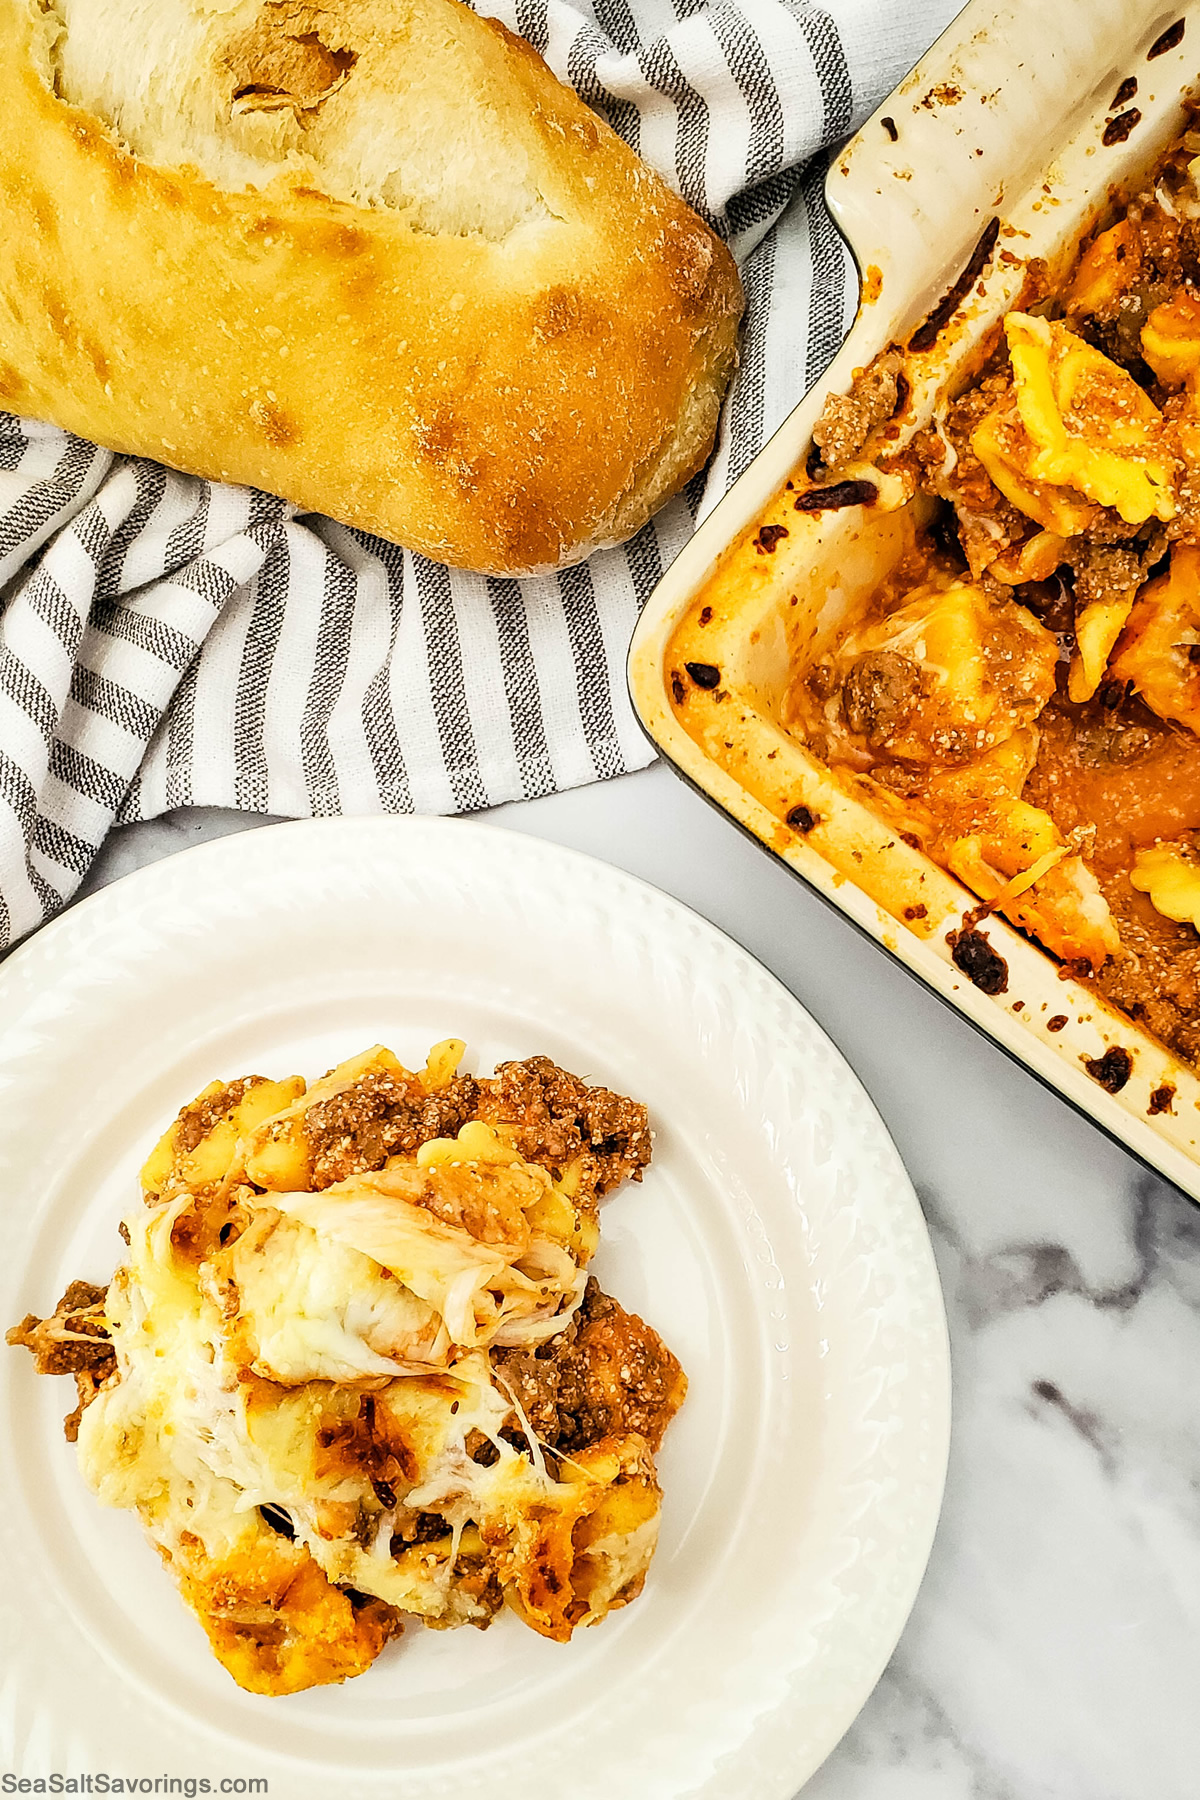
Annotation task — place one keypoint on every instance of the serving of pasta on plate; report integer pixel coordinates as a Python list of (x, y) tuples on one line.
[(353, 1370)]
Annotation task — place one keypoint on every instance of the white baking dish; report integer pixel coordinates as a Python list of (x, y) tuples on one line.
[(1011, 115)]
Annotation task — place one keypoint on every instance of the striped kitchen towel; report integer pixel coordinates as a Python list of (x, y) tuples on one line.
[(166, 642)]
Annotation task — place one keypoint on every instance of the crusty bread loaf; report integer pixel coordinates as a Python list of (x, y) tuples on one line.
[(367, 254)]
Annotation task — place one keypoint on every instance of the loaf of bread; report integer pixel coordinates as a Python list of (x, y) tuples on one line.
[(367, 254)]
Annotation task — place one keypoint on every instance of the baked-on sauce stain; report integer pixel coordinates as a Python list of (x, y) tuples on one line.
[(837, 495), (705, 675), (1124, 93), (925, 336), (983, 967), (769, 536), (1167, 41), (1161, 1099), (1057, 1022), (1112, 1070), (889, 125), (1118, 129), (803, 818)]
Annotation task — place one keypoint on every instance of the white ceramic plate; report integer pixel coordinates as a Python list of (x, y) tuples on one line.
[(776, 1243)]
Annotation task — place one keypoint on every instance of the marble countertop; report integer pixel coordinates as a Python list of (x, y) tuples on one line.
[(1054, 1650)]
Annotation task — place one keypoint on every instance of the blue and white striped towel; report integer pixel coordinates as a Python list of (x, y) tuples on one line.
[(165, 642)]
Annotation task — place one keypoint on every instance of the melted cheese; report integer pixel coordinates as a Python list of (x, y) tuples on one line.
[(993, 840), (488, 1277), (311, 1308)]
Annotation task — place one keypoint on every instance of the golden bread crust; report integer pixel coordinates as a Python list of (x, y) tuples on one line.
[(500, 402)]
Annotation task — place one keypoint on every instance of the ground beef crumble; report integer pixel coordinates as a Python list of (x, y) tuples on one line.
[(1106, 572), (72, 1341), (849, 419), (949, 467), (382, 1115), (1163, 255), (607, 1372), (1157, 982), (552, 1115), (555, 1117)]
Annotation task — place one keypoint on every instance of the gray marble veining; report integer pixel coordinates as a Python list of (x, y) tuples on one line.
[(1054, 1651)]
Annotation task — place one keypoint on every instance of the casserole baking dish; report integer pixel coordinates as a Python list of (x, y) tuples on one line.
[(1018, 131)]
